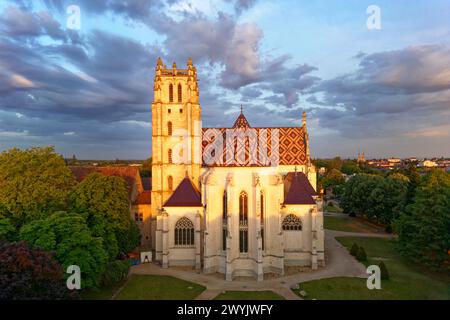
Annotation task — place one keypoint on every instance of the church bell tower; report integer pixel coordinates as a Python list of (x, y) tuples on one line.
[(176, 131)]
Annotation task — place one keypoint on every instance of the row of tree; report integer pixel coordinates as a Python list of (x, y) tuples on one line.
[(416, 208), (86, 224)]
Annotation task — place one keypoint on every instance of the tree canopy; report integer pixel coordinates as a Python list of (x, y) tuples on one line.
[(33, 183), (424, 229), (68, 235)]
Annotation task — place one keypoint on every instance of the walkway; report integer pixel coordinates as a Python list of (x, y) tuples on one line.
[(339, 263)]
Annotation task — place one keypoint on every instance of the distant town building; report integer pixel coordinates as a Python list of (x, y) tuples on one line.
[(361, 157)]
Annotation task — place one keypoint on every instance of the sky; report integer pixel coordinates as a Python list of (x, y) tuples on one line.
[(88, 91)]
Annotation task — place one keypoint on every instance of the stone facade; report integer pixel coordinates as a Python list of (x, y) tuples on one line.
[(239, 219)]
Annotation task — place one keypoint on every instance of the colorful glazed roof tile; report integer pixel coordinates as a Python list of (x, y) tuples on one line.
[(300, 190), (244, 146), (185, 195)]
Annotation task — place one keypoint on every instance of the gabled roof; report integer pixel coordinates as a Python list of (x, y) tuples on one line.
[(300, 191), (185, 195), (241, 122), (129, 174), (144, 198)]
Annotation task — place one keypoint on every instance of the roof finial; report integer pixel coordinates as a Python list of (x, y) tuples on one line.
[(242, 109), (304, 119)]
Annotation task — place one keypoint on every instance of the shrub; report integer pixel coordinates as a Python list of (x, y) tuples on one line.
[(115, 272), (384, 271), (28, 273), (354, 249), (361, 255)]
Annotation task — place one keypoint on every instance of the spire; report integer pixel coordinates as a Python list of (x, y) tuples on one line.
[(241, 121), (189, 63), (304, 119), (159, 62)]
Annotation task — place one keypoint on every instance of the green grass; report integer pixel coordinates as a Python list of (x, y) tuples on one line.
[(152, 287), (105, 293), (350, 224), (334, 209), (407, 280), (249, 295)]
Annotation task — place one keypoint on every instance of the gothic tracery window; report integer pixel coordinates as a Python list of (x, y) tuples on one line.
[(180, 93), (292, 223), (170, 92), (243, 222), (184, 232)]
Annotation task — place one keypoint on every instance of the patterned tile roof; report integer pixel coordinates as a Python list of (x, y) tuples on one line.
[(286, 146), (185, 195), (300, 190), (241, 122)]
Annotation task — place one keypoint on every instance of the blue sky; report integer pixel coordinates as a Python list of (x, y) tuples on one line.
[(88, 92)]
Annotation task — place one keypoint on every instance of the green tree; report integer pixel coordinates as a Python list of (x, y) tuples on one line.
[(424, 228), (68, 235), (350, 167), (146, 169), (33, 183), (103, 202)]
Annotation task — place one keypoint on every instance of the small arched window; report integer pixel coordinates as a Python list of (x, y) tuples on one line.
[(169, 128), (170, 183), (184, 232), (169, 155), (170, 92), (180, 93), (292, 223)]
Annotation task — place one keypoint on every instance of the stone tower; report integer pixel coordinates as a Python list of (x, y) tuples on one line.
[(176, 131)]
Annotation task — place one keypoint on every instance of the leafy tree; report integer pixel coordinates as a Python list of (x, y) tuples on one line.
[(146, 169), (384, 271), (103, 202), (7, 230), (68, 235), (27, 273), (354, 249), (424, 228), (33, 183), (350, 167)]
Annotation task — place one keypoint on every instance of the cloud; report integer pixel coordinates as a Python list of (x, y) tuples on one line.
[(391, 93)]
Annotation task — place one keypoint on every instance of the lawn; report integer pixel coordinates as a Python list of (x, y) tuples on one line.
[(407, 280), (350, 224), (152, 287), (334, 209), (105, 293), (249, 295)]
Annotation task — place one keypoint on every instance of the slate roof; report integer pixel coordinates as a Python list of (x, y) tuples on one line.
[(185, 195), (300, 190), (147, 183)]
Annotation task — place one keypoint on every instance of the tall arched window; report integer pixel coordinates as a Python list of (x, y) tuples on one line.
[(180, 93), (170, 92), (261, 216), (292, 223), (243, 222), (170, 183), (169, 155), (224, 221), (169, 128), (184, 232)]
